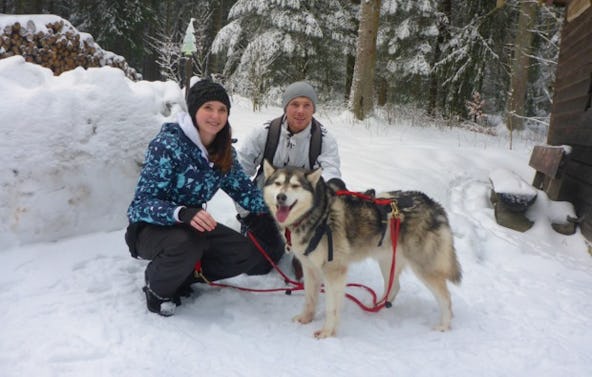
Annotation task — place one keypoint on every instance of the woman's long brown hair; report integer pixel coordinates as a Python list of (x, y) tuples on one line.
[(220, 150)]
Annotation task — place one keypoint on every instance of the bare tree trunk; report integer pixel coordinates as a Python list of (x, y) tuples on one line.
[(445, 9), (362, 97), (349, 74), (218, 17), (519, 80), (381, 91), (350, 61)]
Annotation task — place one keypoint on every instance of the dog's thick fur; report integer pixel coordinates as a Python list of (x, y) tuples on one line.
[(301, 201)]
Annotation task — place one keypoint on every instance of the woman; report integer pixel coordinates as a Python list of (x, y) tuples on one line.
[(185, 164)]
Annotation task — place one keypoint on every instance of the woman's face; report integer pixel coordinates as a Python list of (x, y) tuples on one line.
[(210, 118)]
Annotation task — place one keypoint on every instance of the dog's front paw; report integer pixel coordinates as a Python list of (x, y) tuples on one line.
[(303, 318), (324, 333)]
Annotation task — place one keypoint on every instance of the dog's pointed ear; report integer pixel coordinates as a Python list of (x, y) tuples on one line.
[(268, 169), (314, 176)]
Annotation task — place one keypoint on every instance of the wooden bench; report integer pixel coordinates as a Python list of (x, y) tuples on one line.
[(548, 162)]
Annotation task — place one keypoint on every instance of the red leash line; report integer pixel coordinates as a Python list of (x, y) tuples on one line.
[(274, 265), (395, 224), (377, 306), (297, 286)]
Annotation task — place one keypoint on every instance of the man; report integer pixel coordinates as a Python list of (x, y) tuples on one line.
[(297, 128)]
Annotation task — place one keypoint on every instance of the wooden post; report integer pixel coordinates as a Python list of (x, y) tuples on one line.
[(188, 71)]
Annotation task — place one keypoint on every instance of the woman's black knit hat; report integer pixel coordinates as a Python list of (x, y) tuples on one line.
[(203, 91)]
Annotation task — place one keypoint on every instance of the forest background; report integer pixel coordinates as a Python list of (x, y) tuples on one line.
[(480, 60)]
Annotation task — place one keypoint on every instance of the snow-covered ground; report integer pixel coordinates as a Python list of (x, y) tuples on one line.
[(71, 295)]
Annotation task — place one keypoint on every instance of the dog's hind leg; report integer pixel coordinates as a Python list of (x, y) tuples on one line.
[(335, 278), (312, 287), (437, 285)]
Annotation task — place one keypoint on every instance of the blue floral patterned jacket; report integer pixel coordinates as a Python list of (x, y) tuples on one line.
[(175, 173)]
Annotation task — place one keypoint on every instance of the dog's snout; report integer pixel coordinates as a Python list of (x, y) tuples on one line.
[(281, 198)]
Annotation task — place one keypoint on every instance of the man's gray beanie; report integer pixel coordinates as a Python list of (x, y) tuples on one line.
[(299, 89)]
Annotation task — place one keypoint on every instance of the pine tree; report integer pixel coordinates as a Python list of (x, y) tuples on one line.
[(163, 42), (119, 27), (474, 50), (406, 42), (270, 43)]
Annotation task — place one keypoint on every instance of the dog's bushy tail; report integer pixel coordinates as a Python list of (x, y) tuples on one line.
[(455, 276)]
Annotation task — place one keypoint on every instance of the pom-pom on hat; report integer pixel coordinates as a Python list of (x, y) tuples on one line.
[(299, 89), (203, 91)]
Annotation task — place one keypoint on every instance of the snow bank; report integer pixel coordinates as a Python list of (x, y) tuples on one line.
[(100, 125)]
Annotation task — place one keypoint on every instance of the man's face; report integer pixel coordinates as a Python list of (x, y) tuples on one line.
[(299, 113)]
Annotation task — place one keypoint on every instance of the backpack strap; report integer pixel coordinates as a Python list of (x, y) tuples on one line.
[(271, 143), (273, 138), (316, 141)]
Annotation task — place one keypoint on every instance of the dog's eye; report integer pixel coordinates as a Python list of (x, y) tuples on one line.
[(277, 183), (295, 185)]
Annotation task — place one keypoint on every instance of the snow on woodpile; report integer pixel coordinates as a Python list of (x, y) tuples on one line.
[(53, 42)]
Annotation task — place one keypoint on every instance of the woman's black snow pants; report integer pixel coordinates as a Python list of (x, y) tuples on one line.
[(174, 250)]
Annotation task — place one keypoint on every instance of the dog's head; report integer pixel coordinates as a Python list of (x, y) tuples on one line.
[(289, 192)]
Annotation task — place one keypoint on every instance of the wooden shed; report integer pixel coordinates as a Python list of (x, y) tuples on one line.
[(564, 166)]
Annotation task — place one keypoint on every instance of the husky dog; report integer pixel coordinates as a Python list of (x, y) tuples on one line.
[(329, 231)]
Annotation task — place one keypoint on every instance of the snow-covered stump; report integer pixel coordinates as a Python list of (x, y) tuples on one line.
[(568, 227), (511, 196)]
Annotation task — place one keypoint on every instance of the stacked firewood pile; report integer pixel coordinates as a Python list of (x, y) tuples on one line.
[(60, 48)]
